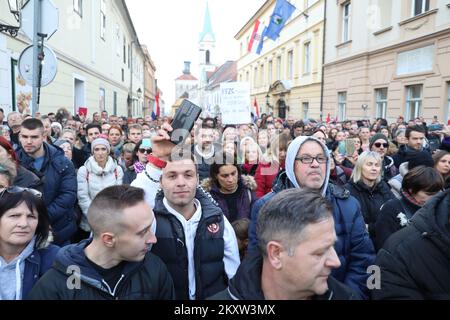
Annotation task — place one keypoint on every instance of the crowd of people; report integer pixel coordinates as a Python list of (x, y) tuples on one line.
[(273, 209)]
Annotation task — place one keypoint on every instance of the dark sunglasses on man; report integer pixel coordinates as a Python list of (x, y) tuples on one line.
[(378, 145)]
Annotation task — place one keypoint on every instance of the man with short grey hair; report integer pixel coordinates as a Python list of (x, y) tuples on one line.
[(296, 253)]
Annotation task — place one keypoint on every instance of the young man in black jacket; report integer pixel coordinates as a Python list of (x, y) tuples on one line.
[(296, 253), (116, 264)]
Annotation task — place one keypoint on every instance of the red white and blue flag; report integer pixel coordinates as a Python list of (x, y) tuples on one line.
[(156, 111), (256, 40)]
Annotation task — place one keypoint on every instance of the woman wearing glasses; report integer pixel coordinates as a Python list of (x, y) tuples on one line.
[(99, 172), (25, 254), (368, 187), (140, 160)]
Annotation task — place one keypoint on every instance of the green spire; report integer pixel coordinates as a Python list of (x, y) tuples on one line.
[(207, 27)]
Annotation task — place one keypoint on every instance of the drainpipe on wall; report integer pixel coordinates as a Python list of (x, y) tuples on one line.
[(323, 59)]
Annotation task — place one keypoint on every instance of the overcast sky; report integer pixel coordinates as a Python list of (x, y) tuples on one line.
[(171, 28)]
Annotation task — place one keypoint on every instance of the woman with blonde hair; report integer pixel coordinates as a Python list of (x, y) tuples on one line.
[(368, 187)]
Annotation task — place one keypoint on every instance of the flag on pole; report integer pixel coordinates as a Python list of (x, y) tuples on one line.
[(255, 104), (156, 111), (283, 11), (256, 40)]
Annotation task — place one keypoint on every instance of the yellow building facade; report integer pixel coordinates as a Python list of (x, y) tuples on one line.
[(285, 79)]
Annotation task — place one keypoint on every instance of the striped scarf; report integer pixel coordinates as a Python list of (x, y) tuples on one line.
[(410, 198)]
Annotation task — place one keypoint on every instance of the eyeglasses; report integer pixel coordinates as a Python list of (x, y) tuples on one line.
[(379, 144), (309, 160), (146, 151), (15, 189)]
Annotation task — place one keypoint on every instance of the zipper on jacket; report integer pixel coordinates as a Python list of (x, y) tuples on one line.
[(113, 293)]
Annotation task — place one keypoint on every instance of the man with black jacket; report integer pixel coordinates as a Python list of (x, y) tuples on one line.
[(415, 261), (295, 256), (116, 264)]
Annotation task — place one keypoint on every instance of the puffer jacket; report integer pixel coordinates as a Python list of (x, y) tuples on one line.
[(354, 247), (246, 197), (143, 280), (60, 190), (371, 199), (415, 261), (92, 179)]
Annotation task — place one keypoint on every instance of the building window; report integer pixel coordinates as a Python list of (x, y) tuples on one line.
[(247, 76), (291, 64), (419, 6), (129, 56), (255, 77), (278, 68), (102, 19), (381, 102), (342, 106), (413, 102), (124, 50), (123, 75), (102, 97), (447, 118), (305, 110), (307, 58), (346, 21), (270, 72), (78, 7), (262, 80), (115, 103)]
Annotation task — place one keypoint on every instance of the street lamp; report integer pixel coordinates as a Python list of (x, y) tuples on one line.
[(14, 9)]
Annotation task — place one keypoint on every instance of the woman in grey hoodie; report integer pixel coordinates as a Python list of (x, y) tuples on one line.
[(25, 254)]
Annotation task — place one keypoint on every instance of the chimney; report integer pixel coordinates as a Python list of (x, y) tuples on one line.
[(187, 67)]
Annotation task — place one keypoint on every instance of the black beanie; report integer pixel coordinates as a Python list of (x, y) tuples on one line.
[(376, 137)]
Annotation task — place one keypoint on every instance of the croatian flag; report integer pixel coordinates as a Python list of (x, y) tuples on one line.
[(256, 40), (156, 111)]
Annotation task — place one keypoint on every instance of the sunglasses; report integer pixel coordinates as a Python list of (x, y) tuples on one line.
[(15, 189), (146, 151), (378, 145)]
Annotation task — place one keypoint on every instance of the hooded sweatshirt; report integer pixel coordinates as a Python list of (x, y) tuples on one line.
[(354, 247), (11, 274)]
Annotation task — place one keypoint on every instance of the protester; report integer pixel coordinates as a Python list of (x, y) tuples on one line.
[(139, 160), (116, 263), (295, 255), (442, 165), (308, 166), (414, 262), (418, 186)]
